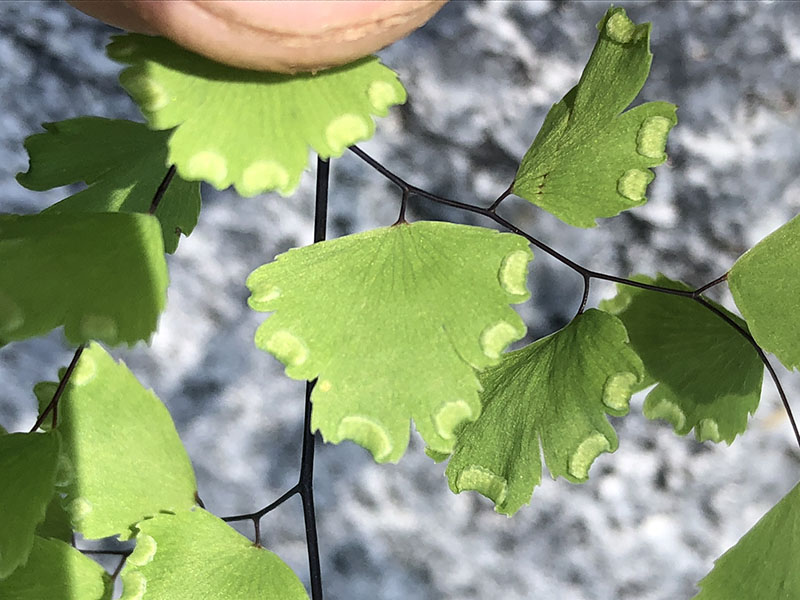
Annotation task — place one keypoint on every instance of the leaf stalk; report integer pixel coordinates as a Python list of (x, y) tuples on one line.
[(587, 274)]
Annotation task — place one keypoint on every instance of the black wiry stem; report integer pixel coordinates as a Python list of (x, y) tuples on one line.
[(710, 284), (123, 554), (105, 552), (500, 198), (306, 489), (587, 282), (306, 482), (162, 189), (121, 564), (490, 214), (586, 273), (403, 203), (256, 516), (59, 391)]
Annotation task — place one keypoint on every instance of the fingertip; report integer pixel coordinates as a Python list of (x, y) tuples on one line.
[(286, 36), (119, 14)]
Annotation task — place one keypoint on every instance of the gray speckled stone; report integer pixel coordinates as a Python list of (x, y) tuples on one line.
[(480, 77)]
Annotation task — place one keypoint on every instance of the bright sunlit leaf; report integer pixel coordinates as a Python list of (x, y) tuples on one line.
[(122, 458), (193, 555), (588, 160), (765, 283), (251, 129), (395, 323)]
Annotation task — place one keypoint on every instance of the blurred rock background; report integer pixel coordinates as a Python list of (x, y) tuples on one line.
[(481, 77)]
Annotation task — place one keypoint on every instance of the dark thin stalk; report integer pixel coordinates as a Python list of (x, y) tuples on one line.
[(321, 201), (123, 554), (257, 532), (586, 273), (710, 284), (587, 282), (107, 552), (59, 391), (162, 189), (403, 203), (305, 483), (490, 214), (121, 564), (306, 487), (379, 167), (268, 508), (500, 198), (256, 517)]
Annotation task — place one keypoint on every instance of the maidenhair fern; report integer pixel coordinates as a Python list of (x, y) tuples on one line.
[(213, 109), (406, 323), (423, 306)]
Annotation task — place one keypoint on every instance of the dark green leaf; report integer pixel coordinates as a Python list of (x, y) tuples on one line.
[(709, 376), (123, 164), (28, 464)]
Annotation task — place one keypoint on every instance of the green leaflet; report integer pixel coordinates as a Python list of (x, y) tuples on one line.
[(765, 283), (56, 522), (394, 322), (709, 376), (195, 546), (557, 389), (123, 164), (57, 571), (101, 275), (247, 128), (588, 160), (764, 563), (28, 464), (122, 463)]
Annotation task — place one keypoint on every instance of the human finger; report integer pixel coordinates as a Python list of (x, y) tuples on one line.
[(285, 36)]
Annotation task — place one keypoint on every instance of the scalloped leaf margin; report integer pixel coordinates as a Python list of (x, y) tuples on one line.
[(122, 163), (120, 463), (251, 129), (395, 322), (708, 375), (590, 159), (557, 392)]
